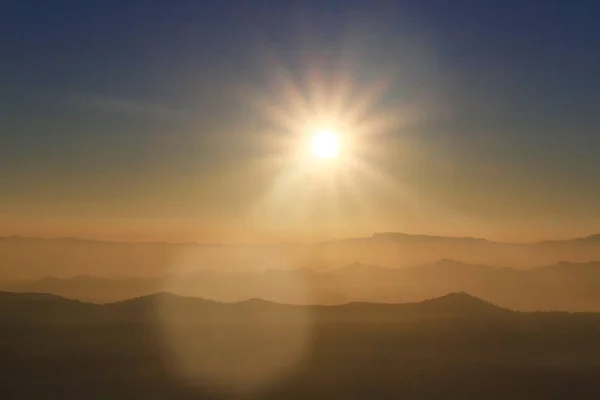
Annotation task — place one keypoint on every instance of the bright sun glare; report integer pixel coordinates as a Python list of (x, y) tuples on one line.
[(325, 144)]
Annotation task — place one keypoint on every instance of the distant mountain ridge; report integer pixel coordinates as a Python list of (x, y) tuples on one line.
[(424, 238), (387, 236), (525, 290), (26, 260)]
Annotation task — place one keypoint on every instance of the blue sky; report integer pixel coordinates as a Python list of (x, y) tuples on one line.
[(125, 110)]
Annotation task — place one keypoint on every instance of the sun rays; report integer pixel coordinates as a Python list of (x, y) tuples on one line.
[(347, 129)]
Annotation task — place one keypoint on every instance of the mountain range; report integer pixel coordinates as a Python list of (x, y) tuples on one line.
[(562, 286), (168, 346), (34, 258), (47, 308)]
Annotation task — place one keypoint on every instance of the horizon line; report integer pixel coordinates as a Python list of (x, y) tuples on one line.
[(373, 236)]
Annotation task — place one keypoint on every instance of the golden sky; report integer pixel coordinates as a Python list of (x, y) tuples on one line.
[(446, 126)]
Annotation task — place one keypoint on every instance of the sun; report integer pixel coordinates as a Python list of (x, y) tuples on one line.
[(325, 144)]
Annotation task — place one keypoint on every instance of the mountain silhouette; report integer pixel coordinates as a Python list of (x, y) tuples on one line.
[(43, 308), (87, 288), (33, 258), (459, 303), (169, 346), (51, 308), (397, 236), (520, 289)]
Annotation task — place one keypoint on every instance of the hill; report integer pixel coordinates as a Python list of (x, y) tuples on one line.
[(168, 346)]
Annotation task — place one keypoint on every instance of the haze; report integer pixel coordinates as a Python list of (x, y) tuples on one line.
[(316, 199)]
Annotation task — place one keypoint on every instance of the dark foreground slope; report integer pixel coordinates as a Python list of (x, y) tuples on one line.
[(168, 347)]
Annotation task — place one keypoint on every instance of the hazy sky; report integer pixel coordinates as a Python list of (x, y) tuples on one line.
[(181, 120)]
